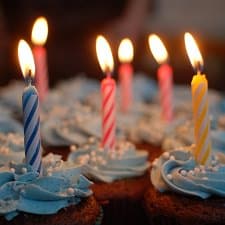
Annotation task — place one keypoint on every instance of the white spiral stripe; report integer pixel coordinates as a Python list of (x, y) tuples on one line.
[(32, 124)]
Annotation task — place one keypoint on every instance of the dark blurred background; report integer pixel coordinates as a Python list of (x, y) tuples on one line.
[(74, 25)]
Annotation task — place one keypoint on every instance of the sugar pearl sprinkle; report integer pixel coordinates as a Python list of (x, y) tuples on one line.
[(73, 148), (191, 173), (24, 170), (12, 170), (183, 172), (169, 176), (70, 191), (166, 155)]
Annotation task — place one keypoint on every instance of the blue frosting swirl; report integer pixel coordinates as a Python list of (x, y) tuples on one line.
[(21, 189), (107, 166), (177, 171)]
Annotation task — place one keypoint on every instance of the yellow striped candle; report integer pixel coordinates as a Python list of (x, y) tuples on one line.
[(199, 86)]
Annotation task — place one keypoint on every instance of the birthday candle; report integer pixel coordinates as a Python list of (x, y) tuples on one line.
[(30, 101), (199, 87), (165, 77), (39, 36), (108, 93), (125, 54)]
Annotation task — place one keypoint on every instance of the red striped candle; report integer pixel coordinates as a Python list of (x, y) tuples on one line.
[(165, 80), (39, 37), (165, 77), (108, 93), (125, 54)]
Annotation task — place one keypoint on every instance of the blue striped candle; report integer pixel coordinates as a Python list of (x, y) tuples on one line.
[(31, 118), (31, 121)]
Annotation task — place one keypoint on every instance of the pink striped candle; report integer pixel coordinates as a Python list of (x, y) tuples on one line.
[(165, 80), (108, 93), (125, 54), (164, 75), (39, 37)]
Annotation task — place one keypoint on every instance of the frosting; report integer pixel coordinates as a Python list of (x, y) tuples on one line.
[(22, 190), (107, 166), (11, 148), (182, 134), (177, 171)]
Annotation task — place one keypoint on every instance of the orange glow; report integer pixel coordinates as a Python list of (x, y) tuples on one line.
[(40, 31), (26, 59), (126, 51), (193, 51), (157, 48), (104, 54)]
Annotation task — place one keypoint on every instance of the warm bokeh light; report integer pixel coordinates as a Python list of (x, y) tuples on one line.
[(126, 51), (193, 52), (104, 54), (40, 31), (26, 59), (157, 48)]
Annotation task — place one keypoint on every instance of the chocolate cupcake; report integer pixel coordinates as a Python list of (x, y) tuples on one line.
[(60, 196), (120, 179), (183, 192)]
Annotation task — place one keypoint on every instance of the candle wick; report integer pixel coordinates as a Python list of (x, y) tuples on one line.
[(108, 74), (29, 78), (198, 67)]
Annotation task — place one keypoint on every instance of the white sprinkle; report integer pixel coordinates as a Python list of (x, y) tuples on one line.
[(169, 176), (205, 178), (24, 170), (191, 173), (183, 172), (166, 155), (12, 170), (91, 140), (73, 148), (70, 191), (172, 157)]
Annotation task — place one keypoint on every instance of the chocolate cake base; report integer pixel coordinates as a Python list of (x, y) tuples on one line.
[(122, 200), (85, 213), (177, 209)]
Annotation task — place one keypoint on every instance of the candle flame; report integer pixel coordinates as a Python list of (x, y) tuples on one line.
[(40, 31), (157, 48), (104, 54), (26, 59), (193, 51), (126, 51)]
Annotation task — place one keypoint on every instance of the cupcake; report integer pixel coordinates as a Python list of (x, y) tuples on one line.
[(60, 196), (184, 192), (120, 176)]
